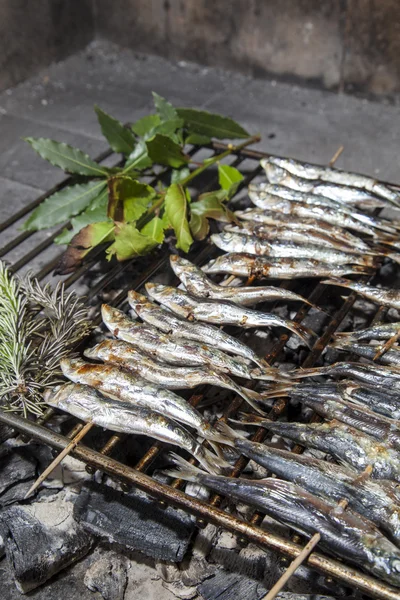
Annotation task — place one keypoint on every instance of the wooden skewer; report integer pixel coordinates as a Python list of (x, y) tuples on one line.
[(336, 156), (387, 345), (59, 458), (292, 567)]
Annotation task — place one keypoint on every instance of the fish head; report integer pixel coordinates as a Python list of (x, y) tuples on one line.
[(52, 392), (113, 318), (138, 302), (182, 266), (157, 290)]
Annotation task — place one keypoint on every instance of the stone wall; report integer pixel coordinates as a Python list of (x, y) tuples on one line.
[(351, 45), (346, 45), (34, 33)]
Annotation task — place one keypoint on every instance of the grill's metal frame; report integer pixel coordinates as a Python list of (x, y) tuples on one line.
[(205, 512)]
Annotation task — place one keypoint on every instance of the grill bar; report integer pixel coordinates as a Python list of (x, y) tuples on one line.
[(178, 499), (171, 494)]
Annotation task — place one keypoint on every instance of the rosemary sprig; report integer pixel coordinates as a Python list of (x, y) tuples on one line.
[(38, 327)]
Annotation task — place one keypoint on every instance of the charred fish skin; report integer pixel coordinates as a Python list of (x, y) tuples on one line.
[(236, 242), (221, 313), (122, 385), (177, 351), (331, 482), (344, 443), (198, 284), (343, 533), (248, 265), (386, 296), (171, 377), (176, 326), (88, 404), (308, 171)]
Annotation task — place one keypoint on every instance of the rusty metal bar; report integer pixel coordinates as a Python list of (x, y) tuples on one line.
[(327, 566)]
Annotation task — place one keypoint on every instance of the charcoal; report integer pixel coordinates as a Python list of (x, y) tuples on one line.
[(37, 549), (6, 432), (134, 521), (108, 575), (18, 467)]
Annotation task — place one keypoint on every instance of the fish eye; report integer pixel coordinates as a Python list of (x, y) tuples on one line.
[(396, 565)]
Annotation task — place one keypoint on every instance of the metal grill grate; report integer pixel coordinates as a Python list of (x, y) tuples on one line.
[(96, 280)]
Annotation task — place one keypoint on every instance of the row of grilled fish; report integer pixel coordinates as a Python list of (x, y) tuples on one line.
[(307, 227)]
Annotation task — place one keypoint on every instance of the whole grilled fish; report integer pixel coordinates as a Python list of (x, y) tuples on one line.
[(251, 244), (265, 189), (340, 193), (198, 284), (175, 326), (374, 375), (336, 216), (167, 376), (222, 313), (89, 405), (391, 357), (344, 443), (296, 236), (381, 331), (248, 265), (176, 351), (383, 428), (308, 171), (376, 500), (381, 400), (123, 385), (384, 296), (277, 219), (343, 533)]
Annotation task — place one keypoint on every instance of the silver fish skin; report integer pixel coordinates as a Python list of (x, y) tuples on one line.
[(391, 357), (198, 284), (221, 313), (308, 171), (331, 481), (383, 428), (264, 218), (342, 194), (89, 405), (378, 332), (175, 326), (345, 443), (314, 207), (381, 400), (123, 385), (266, 190), (377, 376), (343, 533), (251, 244), (259, 267), (386, 296), (297, 236), (170, 377), (176, 351)]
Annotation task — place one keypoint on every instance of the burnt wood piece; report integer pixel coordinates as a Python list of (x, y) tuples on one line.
[(135, 521), (109, 576), (36, 551)]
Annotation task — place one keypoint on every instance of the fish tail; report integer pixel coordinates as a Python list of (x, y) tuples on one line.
[(260, 362), (269, 374), (185, 470), (227, 431), (341, 281), (249, 419), (307, 335), (211, 462), (214, 437), (313, 372)]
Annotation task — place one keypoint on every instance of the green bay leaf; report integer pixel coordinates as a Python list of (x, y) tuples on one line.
[(176, 210), (164, 108), (212, 125), (129, 242), (229, 178), (143, 126), (68, 158), (154, 229), (119, 137), (164, 151), (83, 242), (62, 205), (199, 226), (95, 212)]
